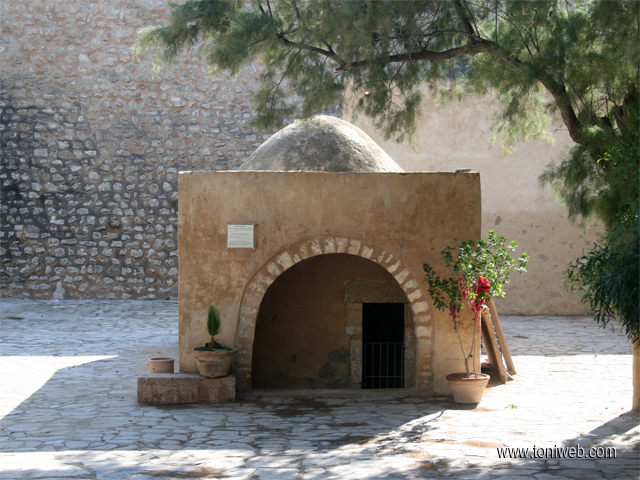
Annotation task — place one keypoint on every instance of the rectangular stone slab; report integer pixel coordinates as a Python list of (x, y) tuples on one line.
[(174, 388)]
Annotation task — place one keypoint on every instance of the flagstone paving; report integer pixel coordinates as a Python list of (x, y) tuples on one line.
[(68, 409)]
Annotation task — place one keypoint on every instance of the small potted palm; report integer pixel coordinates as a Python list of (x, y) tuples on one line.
[(214, 360), (477, 272)]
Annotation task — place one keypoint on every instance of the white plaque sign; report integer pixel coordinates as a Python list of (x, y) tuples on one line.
[(241, 235)]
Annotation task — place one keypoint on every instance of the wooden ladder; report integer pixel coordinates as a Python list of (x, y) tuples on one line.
[(495, 343)]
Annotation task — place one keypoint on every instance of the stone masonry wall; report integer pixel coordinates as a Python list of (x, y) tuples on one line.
[(92, 142)]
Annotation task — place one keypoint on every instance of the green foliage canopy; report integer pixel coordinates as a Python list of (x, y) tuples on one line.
[(607, 278), (579, 58)]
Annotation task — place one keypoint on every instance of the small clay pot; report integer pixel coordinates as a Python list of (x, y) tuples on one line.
[(161, 365)]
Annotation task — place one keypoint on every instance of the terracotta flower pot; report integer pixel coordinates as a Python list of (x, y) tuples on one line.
[(468, 390), (161, 365), (214, 363)]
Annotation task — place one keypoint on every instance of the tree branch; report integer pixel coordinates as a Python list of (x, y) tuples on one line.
[(477, 46), (460, 10), (299, 46), (559, 93), (480, 46)]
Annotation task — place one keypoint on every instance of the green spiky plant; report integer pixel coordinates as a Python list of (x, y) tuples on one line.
[(214, 325)]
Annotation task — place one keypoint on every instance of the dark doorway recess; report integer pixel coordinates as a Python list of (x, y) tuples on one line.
[(300, 337), (383, 345)]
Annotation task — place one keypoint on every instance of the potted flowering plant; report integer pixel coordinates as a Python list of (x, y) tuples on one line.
[(478, 271), (213, 359)]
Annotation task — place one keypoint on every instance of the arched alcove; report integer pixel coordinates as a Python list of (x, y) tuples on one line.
[(419, 372), (310, 327)]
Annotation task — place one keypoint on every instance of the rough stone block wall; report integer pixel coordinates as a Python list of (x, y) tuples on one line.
[(92, 142)]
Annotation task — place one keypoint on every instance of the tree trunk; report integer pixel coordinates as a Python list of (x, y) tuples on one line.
[(636, 376)]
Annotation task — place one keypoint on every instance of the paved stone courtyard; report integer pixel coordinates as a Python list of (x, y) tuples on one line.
[(68, 409)]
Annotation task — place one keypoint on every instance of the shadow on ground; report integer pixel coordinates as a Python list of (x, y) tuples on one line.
[(71, 410)]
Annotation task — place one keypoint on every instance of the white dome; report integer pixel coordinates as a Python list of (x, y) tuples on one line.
[(321, 144)]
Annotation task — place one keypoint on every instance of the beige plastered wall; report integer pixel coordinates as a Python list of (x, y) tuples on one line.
[(513, 204), (397, 220)]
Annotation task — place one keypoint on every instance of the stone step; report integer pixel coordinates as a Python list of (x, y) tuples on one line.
[(174, 388)]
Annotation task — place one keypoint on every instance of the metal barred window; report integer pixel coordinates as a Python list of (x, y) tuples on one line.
[(382, 365)]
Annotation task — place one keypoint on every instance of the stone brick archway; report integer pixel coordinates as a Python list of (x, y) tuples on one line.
[(321, 245)]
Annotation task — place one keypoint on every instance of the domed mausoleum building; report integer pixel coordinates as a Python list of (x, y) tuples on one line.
[(313, 253)]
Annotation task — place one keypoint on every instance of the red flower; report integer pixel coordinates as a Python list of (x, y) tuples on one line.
[(454, 312), (483, 286), (463, 287)]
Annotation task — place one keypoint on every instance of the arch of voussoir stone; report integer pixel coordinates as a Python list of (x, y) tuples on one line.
[(322, 245)]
